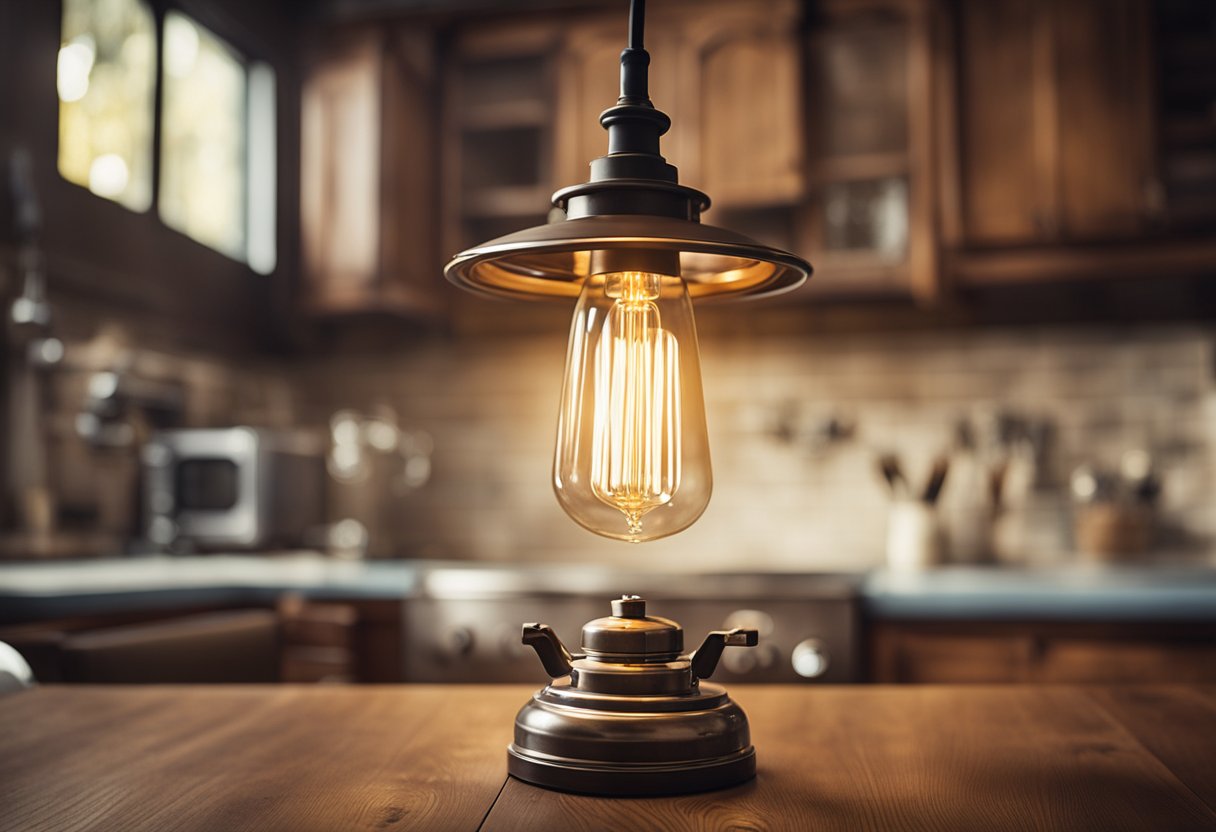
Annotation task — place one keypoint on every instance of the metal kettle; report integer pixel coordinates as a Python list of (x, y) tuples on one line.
[(630, 714)]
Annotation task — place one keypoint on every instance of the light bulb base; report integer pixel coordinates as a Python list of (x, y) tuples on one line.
[(651, 261)]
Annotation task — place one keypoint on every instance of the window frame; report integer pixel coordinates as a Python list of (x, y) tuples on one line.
[(106, 262), (198, 14)]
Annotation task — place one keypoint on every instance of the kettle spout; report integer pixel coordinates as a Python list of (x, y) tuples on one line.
[(553, 654), (705, 659)]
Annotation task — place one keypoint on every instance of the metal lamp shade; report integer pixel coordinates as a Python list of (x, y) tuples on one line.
[(552, 261)]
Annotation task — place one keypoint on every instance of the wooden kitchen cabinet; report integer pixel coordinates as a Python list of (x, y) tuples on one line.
[(971, 652), (869, 225), (729, 76), (368, 182), (341, 640), (1055, 121), (1083, 141), (498, 128)]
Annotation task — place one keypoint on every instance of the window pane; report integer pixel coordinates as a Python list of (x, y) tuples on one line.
[(106, 77), (202, 181), (867, 216)]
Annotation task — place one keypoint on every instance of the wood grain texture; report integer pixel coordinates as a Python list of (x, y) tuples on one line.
[(1176, 724), (432, 757), (914, 758), (280, 758)]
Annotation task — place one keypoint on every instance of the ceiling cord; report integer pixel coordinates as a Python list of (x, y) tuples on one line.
[(637, 23)]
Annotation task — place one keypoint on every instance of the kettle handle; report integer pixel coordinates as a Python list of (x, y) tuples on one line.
[(553, 654), (705, 659)]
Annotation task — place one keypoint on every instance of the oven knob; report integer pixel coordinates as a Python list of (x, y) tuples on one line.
[(810, 658), (456, 643)]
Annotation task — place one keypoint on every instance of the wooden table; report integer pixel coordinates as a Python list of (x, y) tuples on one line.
[(433, 758)]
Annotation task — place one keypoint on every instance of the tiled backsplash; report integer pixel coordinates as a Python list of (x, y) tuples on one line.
[(787, 494), (96, 484)]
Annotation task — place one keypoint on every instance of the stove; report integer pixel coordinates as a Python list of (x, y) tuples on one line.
[(464, 624)]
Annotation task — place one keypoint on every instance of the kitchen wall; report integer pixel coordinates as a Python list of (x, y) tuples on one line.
[(74, 492), (792, 490)]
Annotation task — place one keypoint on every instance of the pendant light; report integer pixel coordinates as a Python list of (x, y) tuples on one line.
[(632, 457)]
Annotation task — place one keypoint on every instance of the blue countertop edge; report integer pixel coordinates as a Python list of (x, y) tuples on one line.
[(40, 591), (1087, 593)]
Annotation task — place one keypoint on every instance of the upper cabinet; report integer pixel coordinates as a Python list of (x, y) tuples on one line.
[(1055, 121), (869, 225), (368, 186), (900, 145), (1074, 119), (498, 125), (728, 74)]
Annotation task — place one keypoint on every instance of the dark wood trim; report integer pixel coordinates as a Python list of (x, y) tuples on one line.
[(1146, 260)]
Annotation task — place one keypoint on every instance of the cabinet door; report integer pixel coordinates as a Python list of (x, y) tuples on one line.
[(1131, 660), (870, 224), (1004, 122), (411, 262), (751, 119), (339, 178), (1054, 119), (1102, 70), (367, 176), (922, 658)]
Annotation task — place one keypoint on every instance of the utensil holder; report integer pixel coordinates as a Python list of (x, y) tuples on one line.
[(914, 538)]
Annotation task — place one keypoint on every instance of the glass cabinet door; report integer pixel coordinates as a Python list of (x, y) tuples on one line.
[(868, 103)]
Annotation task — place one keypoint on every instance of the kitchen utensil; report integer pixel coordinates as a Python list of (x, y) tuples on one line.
[(630, 714), (888, 464), (937, 478)]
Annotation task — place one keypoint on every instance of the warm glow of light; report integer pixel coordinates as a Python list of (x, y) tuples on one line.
[(181, 45), (75, 64), (632, 457), (106, 76), (108, 175), (635, 463)]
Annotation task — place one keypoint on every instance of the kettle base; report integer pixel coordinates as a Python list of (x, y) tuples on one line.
[(631, 779)]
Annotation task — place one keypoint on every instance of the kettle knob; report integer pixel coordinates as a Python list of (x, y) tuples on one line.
[(705, 659), (629, 606), (553, 654)]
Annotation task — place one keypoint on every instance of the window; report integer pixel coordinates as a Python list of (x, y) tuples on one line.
[(216, 159), (106, 80)]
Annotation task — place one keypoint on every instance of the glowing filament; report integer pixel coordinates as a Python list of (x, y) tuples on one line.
[(635, 463)]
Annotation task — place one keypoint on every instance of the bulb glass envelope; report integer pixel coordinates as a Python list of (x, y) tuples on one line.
[(554, 260), (632, 461)]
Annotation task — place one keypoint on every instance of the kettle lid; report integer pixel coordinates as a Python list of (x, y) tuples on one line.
[(630, 633)]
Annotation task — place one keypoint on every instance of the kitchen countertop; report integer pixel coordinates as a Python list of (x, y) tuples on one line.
[(38, 591), (1088, 593), (434, 758)]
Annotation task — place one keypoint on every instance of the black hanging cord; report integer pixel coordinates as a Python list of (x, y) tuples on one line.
[(637, 23), (634, 59)]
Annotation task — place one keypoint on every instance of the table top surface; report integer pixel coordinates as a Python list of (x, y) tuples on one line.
[(433, 757)]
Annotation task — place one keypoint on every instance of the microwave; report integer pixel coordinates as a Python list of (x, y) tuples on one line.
[(232, 488)]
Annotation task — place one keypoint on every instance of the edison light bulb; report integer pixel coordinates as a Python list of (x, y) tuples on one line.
[(632, 459)]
